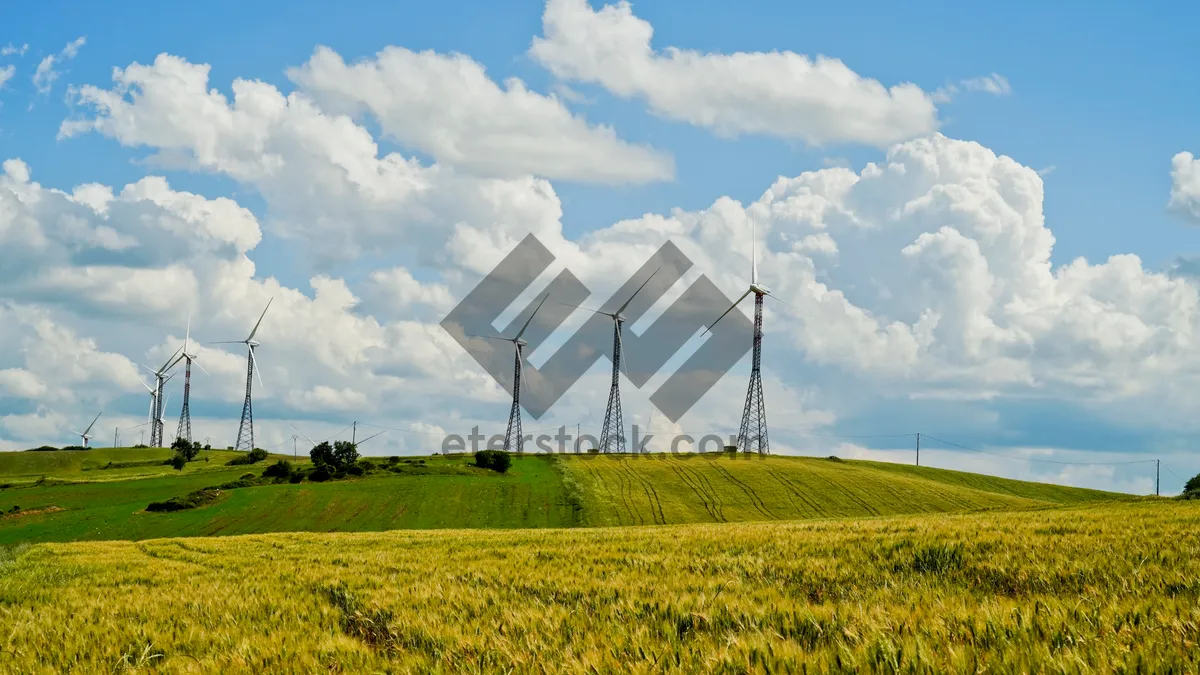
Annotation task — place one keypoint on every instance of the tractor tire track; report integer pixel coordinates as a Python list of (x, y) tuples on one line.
[(718, 503), (651, 494), (627, 496), (755, 500), (791, 487), (689, 481)]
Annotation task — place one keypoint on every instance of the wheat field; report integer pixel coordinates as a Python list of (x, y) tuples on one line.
[(1097, 588)]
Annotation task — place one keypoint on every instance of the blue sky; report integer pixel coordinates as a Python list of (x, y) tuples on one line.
[(1099, 105), (1100, 91)]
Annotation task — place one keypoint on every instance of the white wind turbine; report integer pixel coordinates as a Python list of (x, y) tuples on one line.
[(752, 434), (160, 380), (612, 434), (86, 433), (514, 415), (245, 439)]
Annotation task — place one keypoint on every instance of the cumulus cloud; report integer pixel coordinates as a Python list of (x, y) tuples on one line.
[(992, 84), (1185, 186), (45, 75), (6, 74), (782, 94), (321, 174), (447, 107), (924, 275), (12, 50)]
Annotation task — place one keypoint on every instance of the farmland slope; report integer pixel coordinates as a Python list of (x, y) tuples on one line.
[(1083, 589)]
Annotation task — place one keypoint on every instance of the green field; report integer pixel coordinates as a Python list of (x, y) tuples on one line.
[(1083, 589), (80, 501)]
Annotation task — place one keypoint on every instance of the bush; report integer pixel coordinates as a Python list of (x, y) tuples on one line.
[(345, 454), (190, 501), (44, 448), (177, 462), (280, 469), (296, 477), (355, 470), (496, 460), (1190, 494), (253, 457), (1193, 484), (188, 450), (320, 474)]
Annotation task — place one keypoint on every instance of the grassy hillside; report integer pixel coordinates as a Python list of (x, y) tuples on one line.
[(101, 464), (529, 495), (1098, 588), (664, 489), (538, 491)]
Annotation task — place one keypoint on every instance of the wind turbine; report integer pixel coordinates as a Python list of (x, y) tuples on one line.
[(160, 380), (612, 434), (184, 430), (245, 439), (514, 415), (86, 435), (752, 434)]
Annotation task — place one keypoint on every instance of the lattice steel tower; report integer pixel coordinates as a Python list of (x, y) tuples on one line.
[(752, 435), (514, 415), (612, 434), (245, 437)]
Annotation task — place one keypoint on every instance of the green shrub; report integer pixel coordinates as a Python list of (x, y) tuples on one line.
[(177, 462), (253, 457), (296, 477), (320, 474), (189, 501), (280, 469), (496, 460), (1193, 484)]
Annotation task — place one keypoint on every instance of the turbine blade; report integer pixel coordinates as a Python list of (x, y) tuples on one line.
[(302, 434), (753, 258), (187, 337), (227, 342), (621, 345), (197, 364), (776, 298), (586, 309), (491, 337), (89, 428), (535, 311), (639, 290), (170, 362), (255, 367), (731, 307), (260, 319), (370, 437)]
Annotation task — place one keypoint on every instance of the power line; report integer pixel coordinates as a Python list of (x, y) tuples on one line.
[(1032, 459)]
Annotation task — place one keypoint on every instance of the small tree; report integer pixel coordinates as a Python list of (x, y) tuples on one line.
[(1193, 484), (280, 469), (188, 450), (179, 461), (322, 454), (345, 454)]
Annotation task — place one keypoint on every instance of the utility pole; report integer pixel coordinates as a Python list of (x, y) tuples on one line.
[(918, 448), (1157, 462), (295, 452), (354, 434), (116, 436)]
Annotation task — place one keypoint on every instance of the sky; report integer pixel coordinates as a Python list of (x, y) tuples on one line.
[(983, 222)]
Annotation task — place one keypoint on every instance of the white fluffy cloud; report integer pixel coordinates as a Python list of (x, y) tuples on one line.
[(924, 275), (45, 74), (6, 74), (321, 173), (447, 107), (1185, 186), (784, 94)]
